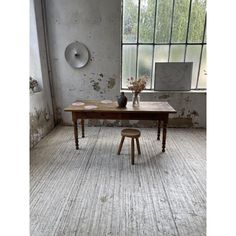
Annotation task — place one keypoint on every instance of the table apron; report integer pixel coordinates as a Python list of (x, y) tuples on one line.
[(120, 116)]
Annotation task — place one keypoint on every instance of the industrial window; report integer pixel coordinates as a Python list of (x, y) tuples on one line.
[(163, 31)]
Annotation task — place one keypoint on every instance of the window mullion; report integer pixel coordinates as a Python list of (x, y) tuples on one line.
[(121, 43), (186, 42), (154, 39), (137, 40), (171, 28), (200, 61)]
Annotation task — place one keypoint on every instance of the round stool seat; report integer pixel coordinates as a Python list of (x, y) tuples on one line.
[(131, 133)]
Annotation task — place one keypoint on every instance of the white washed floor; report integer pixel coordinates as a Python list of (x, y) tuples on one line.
[(93, 191)]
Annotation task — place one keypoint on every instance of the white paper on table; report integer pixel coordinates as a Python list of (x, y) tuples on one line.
[(106, 101), (78, 104)]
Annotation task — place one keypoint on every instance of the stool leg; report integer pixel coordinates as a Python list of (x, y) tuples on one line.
[(120, 146), (138, 146), (132, 151)]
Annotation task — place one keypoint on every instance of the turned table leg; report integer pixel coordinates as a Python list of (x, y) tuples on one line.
[(82, 127), (164, 136), (74, 118), (158, 130)]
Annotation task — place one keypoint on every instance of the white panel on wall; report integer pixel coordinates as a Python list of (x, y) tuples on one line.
[(173, 76)]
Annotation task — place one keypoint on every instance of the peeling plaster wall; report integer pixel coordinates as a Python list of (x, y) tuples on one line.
[(41, 118), (96, 23), (190, 107), (41, 112)]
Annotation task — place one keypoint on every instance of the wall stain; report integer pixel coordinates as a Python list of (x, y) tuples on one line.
[(195, 113), (111, 83), (180, 122), (145, 124), (58, 115), (41, 122), (72, 89), (187, 99), (96, 86), (125, 123), (175, 122), (188, 115), (94, 123), (182, 112), (165, 96), (109, 123)]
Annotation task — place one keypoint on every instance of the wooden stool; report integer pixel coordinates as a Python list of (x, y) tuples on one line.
[(133, 134)]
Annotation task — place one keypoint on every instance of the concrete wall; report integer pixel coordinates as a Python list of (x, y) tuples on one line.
[(96, 23), (41, 112)]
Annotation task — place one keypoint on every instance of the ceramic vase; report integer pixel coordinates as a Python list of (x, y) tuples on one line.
[(122, 100)]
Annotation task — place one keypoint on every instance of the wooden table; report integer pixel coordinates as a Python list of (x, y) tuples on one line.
[(91, 109)]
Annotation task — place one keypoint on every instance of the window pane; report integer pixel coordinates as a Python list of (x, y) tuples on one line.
[(160, 55), (130, 20), (163, 20), (203, 70), (145, 62), (128, 63), (146, 23), (177, 53), (180, 21), (193, 55), (197, 21)]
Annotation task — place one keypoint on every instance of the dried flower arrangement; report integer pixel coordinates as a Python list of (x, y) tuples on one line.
[(136, 86), (33, 83), (34, 86)]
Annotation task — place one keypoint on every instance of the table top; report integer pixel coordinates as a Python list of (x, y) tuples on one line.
[(112, 106)]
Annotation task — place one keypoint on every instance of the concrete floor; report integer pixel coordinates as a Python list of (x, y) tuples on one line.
[(93, 191)]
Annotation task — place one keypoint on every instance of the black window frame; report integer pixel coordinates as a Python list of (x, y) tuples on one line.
[(186, 43)]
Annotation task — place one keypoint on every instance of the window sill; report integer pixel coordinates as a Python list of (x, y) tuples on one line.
[(203, 91), (36, 93)]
